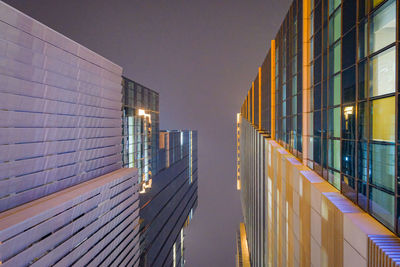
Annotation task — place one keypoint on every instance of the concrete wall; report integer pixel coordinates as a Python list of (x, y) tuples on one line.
[(294, 217), (60, 110)]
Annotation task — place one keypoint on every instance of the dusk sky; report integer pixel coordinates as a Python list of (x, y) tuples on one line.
[(201, 56)]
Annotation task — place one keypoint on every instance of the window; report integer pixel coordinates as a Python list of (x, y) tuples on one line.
[(383, 26), (334, 59), (382, 125), (335, 26), (382, 71), (334, 90), (382, 206), (334, 122), (382, 165), (334, 154)]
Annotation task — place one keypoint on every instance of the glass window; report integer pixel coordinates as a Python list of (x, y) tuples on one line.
[(349, 9), (362, 80), (362, 121), (334, 179), (375, 3), (382, 29), (317, 123), (362, 39), (335, 27), (317, 150), (382, 125), (382, 165), (317, 97), (348, 158), (362, 161), (334, 90), (334, 59), (362, 194), (349, 122), (349, 49), (333, 4), (382, 73), (348, 188), (349, 85), (334, 154), (382, 206), (334, 122)]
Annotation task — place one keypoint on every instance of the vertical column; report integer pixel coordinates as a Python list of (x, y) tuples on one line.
[(259, 98), (306, 79), (252, 103), (273, 89)]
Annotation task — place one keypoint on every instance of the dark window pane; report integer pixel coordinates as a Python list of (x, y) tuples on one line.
[(362, 80), (317, 97), (362, 195), (348, 159), (349, 85), (349, 9), (349, 49), (317, 150), (361, 9), (362, 40), (362, 161), (363, 121), (317, 70), (317, 123), (349, 188)]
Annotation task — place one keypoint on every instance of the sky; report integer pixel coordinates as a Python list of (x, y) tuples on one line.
[(201, 56)]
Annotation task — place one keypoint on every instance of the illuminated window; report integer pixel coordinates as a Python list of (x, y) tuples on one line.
[(382, 71), (383, 119), (382, 28)]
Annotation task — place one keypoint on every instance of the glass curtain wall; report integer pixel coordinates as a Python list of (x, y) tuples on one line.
[(288, 80)]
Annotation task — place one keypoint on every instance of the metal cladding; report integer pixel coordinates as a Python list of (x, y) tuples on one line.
[(64, 199), (60, 105)]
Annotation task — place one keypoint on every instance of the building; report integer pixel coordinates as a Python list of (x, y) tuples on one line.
[(167, 167), (85, 178), (140, 128), (317, 143), (168, 204), (64, 197)]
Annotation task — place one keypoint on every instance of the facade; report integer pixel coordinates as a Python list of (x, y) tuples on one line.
[(140, 128), (167, 167), (85, 178), (64, 197), (317, 138), (167, 206)]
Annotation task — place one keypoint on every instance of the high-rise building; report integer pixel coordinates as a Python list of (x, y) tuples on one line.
[(167, 164), (140, 128), (64, 199), (318, 139), (168, 204), (76, 161)]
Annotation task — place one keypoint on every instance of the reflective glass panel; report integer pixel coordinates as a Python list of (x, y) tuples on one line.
[(383, 119), (382, 28), (382, 73), (382, 165), (382, 206)]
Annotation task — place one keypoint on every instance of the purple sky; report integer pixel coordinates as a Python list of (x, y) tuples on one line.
[(201, 56)]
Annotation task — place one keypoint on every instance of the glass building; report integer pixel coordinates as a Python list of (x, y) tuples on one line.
[(140, 128), (167, 167), (327, 93)]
